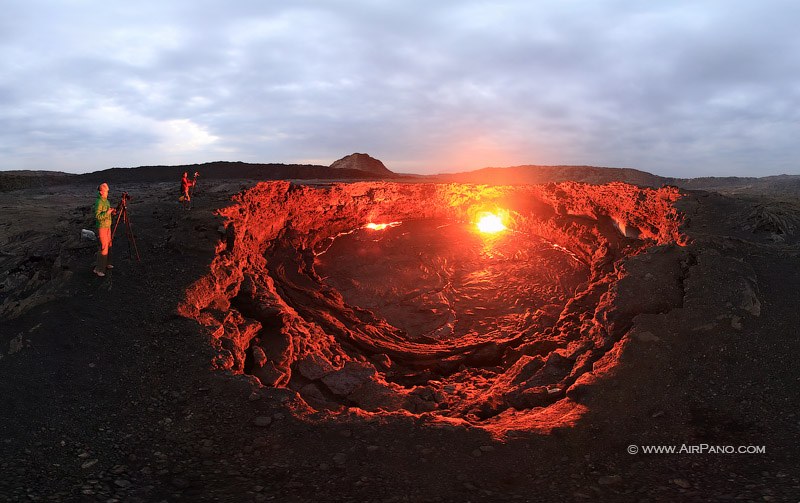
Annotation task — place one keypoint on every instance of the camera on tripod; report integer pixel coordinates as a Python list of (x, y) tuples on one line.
[(122, 216), (123, 201)]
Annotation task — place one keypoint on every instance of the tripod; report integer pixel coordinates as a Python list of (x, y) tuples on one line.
[(191, 189), (122, 215)]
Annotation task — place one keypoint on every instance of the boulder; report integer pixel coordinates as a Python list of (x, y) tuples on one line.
[(259, 358), (373, 395), (313, 367), (270, 375), (343, 382)]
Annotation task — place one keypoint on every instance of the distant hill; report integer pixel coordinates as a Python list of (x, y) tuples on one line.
[(529, 174), (13, 180), (226, 170), (775, 186), (25, 179), (363, 167), (363, 162)]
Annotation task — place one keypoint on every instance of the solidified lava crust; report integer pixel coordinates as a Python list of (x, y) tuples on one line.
[(428, 315)]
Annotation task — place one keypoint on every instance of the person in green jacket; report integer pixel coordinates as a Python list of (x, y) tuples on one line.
[(103, 213)]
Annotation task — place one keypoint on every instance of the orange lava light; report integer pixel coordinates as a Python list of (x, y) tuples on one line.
[(379, 227), (490, 223)]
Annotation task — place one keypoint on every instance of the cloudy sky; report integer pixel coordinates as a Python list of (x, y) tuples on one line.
[(680, 87)]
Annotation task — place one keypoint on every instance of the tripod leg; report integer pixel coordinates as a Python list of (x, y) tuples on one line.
[(109, 264), (131, 238), (191, 192), (128, 235), (116, 224)]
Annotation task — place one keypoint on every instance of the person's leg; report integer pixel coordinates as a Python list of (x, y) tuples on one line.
[(110, 247), (104, 236)]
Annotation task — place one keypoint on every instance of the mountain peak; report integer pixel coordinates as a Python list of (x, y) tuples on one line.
[(363, 162)]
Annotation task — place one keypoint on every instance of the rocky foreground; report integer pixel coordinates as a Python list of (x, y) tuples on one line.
[(108, 394)]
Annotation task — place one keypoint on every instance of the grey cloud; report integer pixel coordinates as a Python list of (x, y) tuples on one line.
[(700, 87)]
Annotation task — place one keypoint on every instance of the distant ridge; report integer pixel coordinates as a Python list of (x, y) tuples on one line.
[(25, 179), (787, 186), (14, 180), (776, 186), (532, 174), (225, 169)]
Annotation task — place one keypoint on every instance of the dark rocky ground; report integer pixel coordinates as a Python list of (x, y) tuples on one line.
[(105, 393)]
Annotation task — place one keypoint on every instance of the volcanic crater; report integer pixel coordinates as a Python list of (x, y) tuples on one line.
[(385, 298)]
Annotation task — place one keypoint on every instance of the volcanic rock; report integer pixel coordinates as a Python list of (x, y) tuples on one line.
[(259, 357), (95, 375), (528, 398), (345, 381), (446, 320), (270, 375), (778, 218), (314, 367), (372, 395), (523, 370), (315, 396), (262, 421)]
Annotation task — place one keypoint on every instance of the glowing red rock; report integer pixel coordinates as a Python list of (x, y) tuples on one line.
[(484, 331)]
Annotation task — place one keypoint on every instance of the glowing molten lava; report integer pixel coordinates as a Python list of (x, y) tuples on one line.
[(490, 223), (380, 227)]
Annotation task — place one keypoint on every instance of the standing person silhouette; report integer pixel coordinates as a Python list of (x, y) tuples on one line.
[(186, 184), (102, 215)]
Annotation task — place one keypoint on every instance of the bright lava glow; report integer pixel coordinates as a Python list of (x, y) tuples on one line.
[(380, 227), (490, 223)]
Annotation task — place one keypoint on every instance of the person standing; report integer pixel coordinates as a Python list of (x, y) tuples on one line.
[(187, 184), (102, 215)]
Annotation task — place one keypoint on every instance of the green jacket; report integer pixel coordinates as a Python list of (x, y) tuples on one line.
[(102, 213)]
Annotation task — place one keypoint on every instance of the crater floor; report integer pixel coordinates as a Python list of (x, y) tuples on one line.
[(425, 313), (449, 284)]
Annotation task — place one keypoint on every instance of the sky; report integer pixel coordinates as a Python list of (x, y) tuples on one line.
[(678, 88)]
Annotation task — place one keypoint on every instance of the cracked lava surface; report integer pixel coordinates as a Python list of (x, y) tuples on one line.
[(385, 298)]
